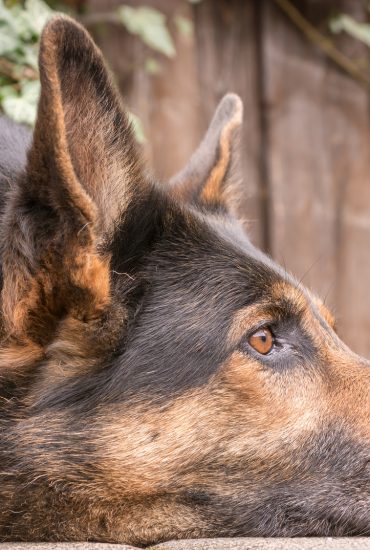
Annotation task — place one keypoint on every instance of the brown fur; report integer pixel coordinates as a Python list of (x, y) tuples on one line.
[(213, 189), (133, 408), (206, 178)]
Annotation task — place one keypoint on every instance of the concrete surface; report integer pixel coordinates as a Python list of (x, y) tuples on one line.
[(269, 544), (213, 544)]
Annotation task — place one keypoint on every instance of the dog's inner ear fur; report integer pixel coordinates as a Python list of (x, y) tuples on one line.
[(81, 174), (209, 178)]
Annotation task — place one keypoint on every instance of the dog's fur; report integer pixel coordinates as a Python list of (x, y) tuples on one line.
[(133, 406)]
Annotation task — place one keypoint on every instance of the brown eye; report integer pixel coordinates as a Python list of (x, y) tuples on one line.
[(262, 340)]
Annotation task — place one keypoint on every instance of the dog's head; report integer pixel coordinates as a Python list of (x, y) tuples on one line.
[(163, 377)]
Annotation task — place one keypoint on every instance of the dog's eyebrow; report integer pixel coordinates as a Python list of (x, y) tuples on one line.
[(301, 300), (283, 300), (289, 297)]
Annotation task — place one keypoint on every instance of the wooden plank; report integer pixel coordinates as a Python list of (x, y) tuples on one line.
[(167, 103), (306, 134), (227, 48), (177, 105), (318, 167)]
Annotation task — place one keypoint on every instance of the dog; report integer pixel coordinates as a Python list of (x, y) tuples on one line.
[(161, 378)]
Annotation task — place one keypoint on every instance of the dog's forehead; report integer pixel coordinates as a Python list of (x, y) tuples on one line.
[(233, 234), (279, 285)]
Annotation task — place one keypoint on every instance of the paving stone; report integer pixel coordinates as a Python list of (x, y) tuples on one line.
[(355, 543), (64, 546), (269, 544)]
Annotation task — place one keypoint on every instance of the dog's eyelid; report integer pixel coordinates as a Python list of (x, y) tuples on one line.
[(251, 318), (246, 321)]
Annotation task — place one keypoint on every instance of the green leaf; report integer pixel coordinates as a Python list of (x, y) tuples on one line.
[(18, 22), (31, 56), (5, 15), (31, 90), (150, 25), (137, 127), (38, 14), (8, 40), (19, 109), (184, 26), (6, 91), (343, 22), (4, 81), (20, 28), (152, 66), (23, 108)]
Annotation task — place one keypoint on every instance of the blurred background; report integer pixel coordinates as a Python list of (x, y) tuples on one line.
[(302, 69)]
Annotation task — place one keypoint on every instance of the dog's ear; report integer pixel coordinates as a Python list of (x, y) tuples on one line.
[(206, 179), (81, 174)]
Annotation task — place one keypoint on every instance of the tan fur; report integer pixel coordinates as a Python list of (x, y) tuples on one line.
[(206, 177), (86, 456), (51, 113), (212, 190), (19, 356), (284, 291), (92, 176), (324, 311), (83, 270)]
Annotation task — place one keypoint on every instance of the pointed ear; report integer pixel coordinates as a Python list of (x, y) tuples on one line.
[(81, 125), (81, 172), (206, 178)]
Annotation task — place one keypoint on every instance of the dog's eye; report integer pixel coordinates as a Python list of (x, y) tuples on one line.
[(262, 340)]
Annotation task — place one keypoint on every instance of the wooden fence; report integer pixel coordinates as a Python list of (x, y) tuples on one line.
[(306, 137)]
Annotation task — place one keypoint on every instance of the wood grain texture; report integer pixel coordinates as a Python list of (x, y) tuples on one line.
[(318, 166), (167, 103), (227, 45), (305, 147)]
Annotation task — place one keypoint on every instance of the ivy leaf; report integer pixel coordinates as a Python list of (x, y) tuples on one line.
[(38, 14), (343, 22), (184, 26), (18, 23), (8, 40), (19, 109), (31, 57), (22, 107), (6, 16), (21, 24), (150, 25), (152, 66), (6, 91), (4, 81)]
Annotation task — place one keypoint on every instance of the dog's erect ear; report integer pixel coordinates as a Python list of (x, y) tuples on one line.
[(81, 127), (81, 174), (205, 180)]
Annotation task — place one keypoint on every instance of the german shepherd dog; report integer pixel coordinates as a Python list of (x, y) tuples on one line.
[(161, 378)]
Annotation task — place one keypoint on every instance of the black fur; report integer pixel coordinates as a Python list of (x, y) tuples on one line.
[(134, 407)]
